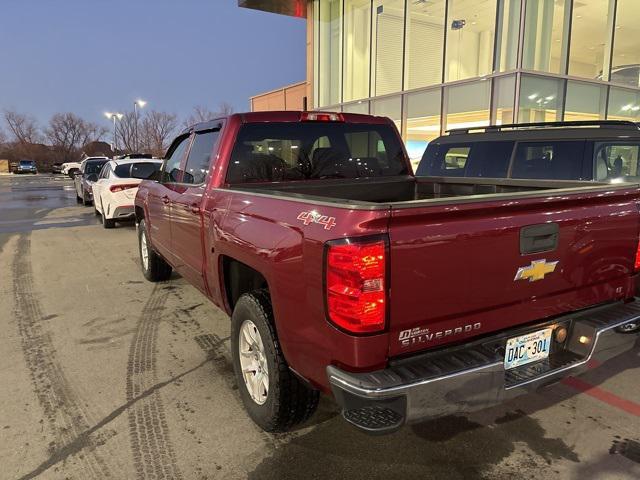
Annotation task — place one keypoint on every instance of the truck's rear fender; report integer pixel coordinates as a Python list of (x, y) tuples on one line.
[(267, 237)]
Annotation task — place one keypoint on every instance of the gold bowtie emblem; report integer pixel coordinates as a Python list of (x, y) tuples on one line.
[(536, 271)]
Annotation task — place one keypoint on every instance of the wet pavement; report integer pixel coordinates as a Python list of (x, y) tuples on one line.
[(105, 375)]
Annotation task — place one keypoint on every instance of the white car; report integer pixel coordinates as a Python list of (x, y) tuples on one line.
[(115, 190)]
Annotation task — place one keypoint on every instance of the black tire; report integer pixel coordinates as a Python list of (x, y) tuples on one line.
[(85, 202), (108, 222), (157, 269), (289, 401)]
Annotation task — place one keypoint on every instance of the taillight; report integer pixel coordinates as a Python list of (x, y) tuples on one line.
[(321, 117), (637, 264), (119, 188), (356, 290)]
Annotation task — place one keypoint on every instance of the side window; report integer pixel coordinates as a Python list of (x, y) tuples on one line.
[(199, 160), (549, 160), (456, 158), (171, 172), (615, 160), (488, 159)]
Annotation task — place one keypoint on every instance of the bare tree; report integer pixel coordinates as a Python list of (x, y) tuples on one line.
[(22, 128), (126, 132), (156, 131), (203, 114), (67, 133), (3, 137)]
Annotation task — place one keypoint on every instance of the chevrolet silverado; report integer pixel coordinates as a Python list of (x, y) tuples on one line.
[(404, 297)]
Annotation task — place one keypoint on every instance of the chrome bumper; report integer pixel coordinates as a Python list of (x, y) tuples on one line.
[(472, 377)]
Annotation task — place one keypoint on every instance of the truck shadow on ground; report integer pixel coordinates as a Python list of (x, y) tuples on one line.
[(462, 447)]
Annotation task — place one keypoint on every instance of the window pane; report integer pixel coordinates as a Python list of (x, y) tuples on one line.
[(388, 107), (624, 104), (549, 160), (468, 105), (388, 30), (423, 122), (616, 160), (357, 38), (590, 44), (545, 35), (504, 93), (479, 159), (358, 107), (424, 43), (625, 67), (585, 101), (199, 159), (540, 99), (330, 61), (172, 172), (470, 38), (508, 34), (274, 152)]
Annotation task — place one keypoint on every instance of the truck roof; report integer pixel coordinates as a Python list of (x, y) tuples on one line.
[(281, 116)]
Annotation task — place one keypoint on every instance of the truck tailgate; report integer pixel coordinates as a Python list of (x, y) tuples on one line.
[(463, 269)]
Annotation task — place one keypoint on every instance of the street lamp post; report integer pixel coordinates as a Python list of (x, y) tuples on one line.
[(114, 116), (137, 104)]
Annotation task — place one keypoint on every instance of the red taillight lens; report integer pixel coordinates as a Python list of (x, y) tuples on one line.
[(356, 286), (321, 117), (119, 188), (637, 264)]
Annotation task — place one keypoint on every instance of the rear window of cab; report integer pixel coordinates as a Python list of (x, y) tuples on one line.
[(282, 151)]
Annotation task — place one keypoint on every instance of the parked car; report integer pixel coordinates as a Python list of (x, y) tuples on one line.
[(56, 168), (116, 188), (26, 166), (404, 297), (85, 177), (70, 168), (600, 151)]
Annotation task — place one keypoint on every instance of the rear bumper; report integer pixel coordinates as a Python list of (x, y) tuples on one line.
[(472, 377), (125, 212)]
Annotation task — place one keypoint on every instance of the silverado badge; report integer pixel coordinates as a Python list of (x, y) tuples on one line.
[(536, 271)]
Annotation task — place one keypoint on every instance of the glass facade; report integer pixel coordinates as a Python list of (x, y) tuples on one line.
[(441, 64)]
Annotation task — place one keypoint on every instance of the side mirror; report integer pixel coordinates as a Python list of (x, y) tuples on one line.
[(93, 177)]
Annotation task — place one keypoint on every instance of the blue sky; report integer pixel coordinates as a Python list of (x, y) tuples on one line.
[(88, 56)]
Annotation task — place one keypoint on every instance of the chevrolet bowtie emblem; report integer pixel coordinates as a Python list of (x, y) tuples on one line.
[(536, 271)]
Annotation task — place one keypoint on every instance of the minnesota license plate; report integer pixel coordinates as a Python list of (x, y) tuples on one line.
[(528, 348)]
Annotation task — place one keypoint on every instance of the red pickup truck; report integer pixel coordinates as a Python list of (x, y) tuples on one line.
[(404, 297)]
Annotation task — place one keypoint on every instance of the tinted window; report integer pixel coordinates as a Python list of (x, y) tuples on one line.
[(171, 171), (199, 159), (137, 170), (272, 152), (616, 161), (480, 159), (104, 173), (549, 160), (93, 167)]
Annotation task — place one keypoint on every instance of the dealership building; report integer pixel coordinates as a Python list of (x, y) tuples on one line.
[(435, 65)]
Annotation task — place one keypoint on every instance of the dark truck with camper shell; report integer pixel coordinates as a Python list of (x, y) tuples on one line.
[(404, 297)]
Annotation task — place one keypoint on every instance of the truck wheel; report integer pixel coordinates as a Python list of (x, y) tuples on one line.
[(273, 396), (154, 268)]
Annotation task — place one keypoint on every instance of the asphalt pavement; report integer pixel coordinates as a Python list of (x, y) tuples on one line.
[(104, 375)]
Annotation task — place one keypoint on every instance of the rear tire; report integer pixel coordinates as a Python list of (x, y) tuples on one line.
[(154, 267), (286, 401), (108, 222), (85, 202)]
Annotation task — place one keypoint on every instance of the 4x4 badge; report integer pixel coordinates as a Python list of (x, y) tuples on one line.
[(536, 271)]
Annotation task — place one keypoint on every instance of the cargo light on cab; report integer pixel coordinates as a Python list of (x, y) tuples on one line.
[(356, 285), (321, 117)]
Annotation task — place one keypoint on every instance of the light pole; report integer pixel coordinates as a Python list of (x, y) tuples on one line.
[(138, 103), (114, 116)]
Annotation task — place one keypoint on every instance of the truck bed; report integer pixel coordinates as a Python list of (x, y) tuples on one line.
[(409, 190)]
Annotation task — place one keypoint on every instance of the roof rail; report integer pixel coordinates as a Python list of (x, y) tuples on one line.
[(619, 124)]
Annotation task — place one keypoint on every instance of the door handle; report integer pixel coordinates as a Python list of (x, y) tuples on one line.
[(165, 199), (539, 238)]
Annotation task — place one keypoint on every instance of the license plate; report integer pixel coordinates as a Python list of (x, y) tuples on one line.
[(528, 348)]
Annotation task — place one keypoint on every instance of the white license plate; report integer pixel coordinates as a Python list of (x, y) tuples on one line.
[(528, 348)]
